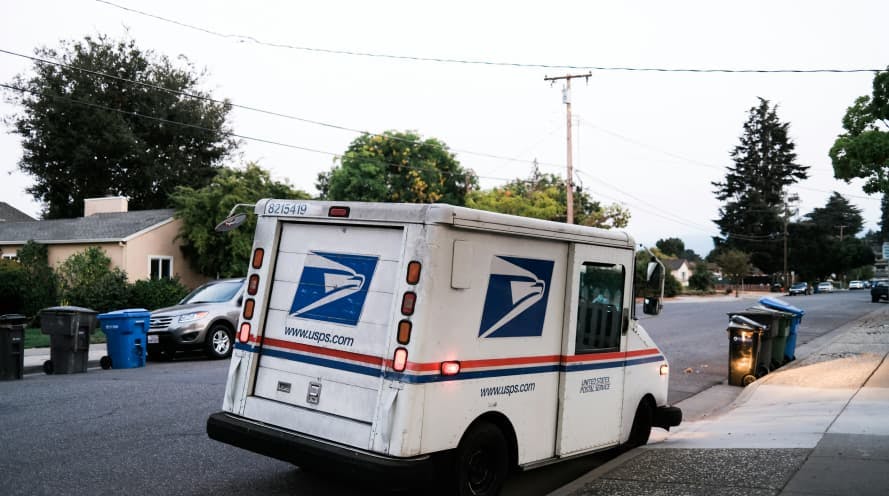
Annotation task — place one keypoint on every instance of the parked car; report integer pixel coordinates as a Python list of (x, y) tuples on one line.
[(824, 287), (879, 290), (205, 319), (800, 288), (856, 285)]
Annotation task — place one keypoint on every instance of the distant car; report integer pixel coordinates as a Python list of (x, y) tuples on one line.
[(879, 290), (856, 285), (205, 319), (775, 287), (800, 288), (824, 287)]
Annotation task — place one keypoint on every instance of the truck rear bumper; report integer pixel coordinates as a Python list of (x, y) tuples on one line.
[(318, 454)]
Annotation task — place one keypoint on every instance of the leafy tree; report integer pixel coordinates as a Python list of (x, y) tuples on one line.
[(815, 248), (42, 288), (397, 167), (672, 286), (224, 254), (735, 264), (701, 279), (544, 196), (88, 280), (86, 134), (884, 218), (863, 150), (753, 189), (671, 246), (156, 293), (691, 256)]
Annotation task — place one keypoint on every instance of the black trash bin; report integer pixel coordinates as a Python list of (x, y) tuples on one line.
[(746, 339), (12, 346), (69, 330)]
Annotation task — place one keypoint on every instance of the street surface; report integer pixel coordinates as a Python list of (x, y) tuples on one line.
[(142, 431)]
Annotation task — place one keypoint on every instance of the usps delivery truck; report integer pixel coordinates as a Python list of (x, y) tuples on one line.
[(418, 340)]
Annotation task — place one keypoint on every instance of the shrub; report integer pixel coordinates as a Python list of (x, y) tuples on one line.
[(156, 293), (86, 279), (42, 288), (701, 279), (672, 286), (13, 281)]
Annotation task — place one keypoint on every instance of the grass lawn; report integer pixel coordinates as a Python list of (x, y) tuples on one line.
[(36, 339)]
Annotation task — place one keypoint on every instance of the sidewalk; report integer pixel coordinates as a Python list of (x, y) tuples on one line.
[(818, 426), (34, 358)]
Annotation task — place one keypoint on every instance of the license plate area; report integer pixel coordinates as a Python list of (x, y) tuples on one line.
[(153, 339)]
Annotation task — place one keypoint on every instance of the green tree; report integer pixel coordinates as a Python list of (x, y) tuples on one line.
[(544, 196), (701, 279), (671, 246), (397, 167), (838, 216), (87, 279), (42, 288), (86, 134), (884, 219), (12, 281), (735, 264), (224, 254), (863, 150), (754, 186)]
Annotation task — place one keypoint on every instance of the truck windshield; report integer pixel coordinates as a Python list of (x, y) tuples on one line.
[(215, 292)]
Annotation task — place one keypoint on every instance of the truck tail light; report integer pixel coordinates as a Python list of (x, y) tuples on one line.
[(413, 272), (408, 301), (450, 368), (253, 284), (258, 255), (399, 362), (665, 369), (244, 332), (338, 212), (249, 306), (404, 331)]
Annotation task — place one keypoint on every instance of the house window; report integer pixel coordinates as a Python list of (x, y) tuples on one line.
[(10, 256), (160, 267)]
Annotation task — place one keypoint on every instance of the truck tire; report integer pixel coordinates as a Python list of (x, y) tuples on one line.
[(481, 461), (642, 423)]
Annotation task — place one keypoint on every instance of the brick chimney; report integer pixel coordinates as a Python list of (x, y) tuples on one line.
[(104, 205)]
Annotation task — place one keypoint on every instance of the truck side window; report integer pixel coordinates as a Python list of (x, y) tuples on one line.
[(599, 304)]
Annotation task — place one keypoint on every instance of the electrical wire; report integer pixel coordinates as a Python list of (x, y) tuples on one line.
[(260, 110), (252, 39), (241, 136)]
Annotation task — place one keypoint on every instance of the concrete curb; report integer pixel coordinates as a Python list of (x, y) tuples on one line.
[(35, 369), (596, 473)]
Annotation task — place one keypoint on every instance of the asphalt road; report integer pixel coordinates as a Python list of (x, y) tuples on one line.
[(142, 431)]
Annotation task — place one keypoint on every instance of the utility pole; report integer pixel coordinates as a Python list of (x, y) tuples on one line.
[(785, 281), (566, 99), (843, 277)]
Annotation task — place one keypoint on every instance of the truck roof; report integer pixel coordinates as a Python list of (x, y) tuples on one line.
[(440, 213)]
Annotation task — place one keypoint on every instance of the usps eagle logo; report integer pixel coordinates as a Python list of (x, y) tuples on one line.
[(333, 287), (515, 304)]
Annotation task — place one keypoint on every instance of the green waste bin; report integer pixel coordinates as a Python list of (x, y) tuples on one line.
[(69, 330), (780, 330), (12, 346), (747, 339)]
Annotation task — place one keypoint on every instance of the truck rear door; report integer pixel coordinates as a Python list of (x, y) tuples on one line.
[(327, 324)]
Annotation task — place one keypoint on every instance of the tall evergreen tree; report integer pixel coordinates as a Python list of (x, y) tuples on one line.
[(750, 219), (838, 216)]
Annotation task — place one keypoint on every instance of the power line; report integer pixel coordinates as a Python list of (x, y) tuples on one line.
[(252, 39), (241, 136), (259, 110)]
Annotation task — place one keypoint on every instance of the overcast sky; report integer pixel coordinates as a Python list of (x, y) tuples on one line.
[(651, 141)]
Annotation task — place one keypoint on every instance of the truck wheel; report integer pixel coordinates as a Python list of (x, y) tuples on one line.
[(641, 429), (219, 342), (481, 461)]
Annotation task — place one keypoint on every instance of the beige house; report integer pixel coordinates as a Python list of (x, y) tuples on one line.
[(143, 243)]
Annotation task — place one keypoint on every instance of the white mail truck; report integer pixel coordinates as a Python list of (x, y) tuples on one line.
[(419, 341)]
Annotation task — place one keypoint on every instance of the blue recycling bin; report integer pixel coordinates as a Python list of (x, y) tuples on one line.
[(790, 347), (126, 332)]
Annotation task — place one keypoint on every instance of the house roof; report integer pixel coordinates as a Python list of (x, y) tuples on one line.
[(104, 227), (8, 213), (675, 263)]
